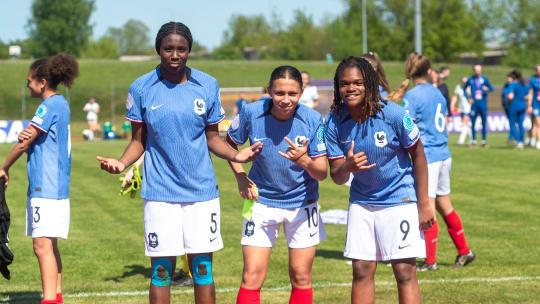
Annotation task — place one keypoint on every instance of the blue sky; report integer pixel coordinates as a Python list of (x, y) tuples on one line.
[(206, 19)]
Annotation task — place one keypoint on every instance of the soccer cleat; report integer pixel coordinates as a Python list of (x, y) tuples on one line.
[(427, 267), (519, 146), (464, 259), (181, 279)]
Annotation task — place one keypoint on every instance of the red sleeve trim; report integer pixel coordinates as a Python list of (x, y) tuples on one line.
[(133, 120), (215, 123), (414, 143), (336, 157), (38, 127), (234, 141), (317, 156)]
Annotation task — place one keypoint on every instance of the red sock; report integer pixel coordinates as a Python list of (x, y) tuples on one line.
[(301, 296), (248, 296), (430, 237), (59, 298), (48, 302), (455, 229)]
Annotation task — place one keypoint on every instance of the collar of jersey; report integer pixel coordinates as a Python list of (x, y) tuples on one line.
[(190, 79)]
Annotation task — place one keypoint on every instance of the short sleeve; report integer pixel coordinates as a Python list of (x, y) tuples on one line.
[(406, 130), (409, 107), (215, 112), (134, 111), (332, 139), (44, 117), (238, 130), (317, 146)]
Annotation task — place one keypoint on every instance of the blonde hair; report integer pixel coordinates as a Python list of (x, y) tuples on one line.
[(416, 66)]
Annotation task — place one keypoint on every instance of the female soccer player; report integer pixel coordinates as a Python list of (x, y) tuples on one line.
[(464, 107), (426, 105), (92, 109), (535, 96), (518, 99), (175, 111), (506, 89), (286, 175), (479, 87), (310, 95), (386, 211), (47, 142)]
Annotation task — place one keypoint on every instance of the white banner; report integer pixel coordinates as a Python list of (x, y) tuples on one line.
[(9, 130)]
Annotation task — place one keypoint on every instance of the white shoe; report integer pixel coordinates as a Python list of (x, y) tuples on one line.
[(519, 146), (538, 146)]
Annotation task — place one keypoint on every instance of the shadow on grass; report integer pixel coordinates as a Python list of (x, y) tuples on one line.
[(330, 254), (133, 270), (30, 297)]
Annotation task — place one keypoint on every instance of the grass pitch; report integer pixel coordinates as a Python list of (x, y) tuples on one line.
[(495, 191)]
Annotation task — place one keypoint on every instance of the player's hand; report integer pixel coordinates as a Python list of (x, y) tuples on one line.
[(247, 154), (471, 101), (246, 187), (5, 175), (294, 153), (111, 165), (485, 88), (529, 109), (426, 216), (128, 178), (356, 162), (24, 135)]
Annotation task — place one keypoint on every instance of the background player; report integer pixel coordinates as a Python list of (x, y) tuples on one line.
[(518, 100), (479, 87), (534, 83), (310, 94), (175, 111), (386, 212), (427, 107), (48, 144), (376, 64), (92, 109), (460, 100), (286, 175)]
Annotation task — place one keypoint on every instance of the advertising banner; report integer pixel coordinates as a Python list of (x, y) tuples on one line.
[(9, 129)]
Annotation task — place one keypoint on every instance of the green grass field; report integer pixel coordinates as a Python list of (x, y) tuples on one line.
[(495, 191)]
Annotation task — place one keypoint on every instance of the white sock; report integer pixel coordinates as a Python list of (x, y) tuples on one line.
[(464, 131), (527, 140), (533, 142)]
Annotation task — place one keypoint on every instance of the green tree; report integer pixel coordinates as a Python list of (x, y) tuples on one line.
[(302, 40), (57, 26), (132, 38), (104, 47)]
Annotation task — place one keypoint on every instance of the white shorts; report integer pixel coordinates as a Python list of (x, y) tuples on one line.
[(302, 226), (47, 217), (383, 233), (172, 229), (439, 178)]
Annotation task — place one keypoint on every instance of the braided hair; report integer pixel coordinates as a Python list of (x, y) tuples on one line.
[(371, 85), (173, 28)]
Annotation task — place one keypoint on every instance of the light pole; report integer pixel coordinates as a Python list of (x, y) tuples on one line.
[(364, 28), (417, 26)]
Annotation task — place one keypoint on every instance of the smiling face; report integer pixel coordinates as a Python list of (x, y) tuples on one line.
[(174, 52), (285, 93), (35, 85), (351, 87)]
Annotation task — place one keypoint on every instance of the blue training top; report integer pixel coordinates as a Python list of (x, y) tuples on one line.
[(49, 156), (479, 94), (281, 183), (177, 165), (427, 107), (520, 92), (384, 139)]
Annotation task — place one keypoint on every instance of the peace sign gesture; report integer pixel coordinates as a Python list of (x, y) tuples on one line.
[(356, 162), (294, 153)]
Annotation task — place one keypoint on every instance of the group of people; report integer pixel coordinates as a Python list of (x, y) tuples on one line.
[(398, 180)]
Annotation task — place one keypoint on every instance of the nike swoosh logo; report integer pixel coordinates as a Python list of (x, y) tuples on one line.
[(156, 107), (211, 240), (401, 247), (258, 139), (313, 234)]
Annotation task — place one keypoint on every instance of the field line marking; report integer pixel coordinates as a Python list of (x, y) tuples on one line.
[(278, 288)]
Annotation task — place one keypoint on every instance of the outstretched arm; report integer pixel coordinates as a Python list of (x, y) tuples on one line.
[(133, 151), (220, 148)]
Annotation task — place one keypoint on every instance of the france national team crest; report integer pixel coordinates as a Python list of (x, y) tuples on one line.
[(299, 141), (380, 139), (153, 240), (199, 106), (250, 228)]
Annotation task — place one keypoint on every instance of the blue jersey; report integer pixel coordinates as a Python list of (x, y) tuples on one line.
[(427, 107), (281, 183), (177, 165), (384, 139), (520, 92), (49, 156), (382, 92), (479, 94), (507, 88), (534, 83), (240, 103)]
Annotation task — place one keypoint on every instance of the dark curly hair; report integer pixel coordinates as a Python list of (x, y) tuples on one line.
[(61, 68), (372, 95), (173, 28)]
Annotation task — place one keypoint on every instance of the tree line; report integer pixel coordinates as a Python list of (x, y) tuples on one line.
[(449, 27)]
